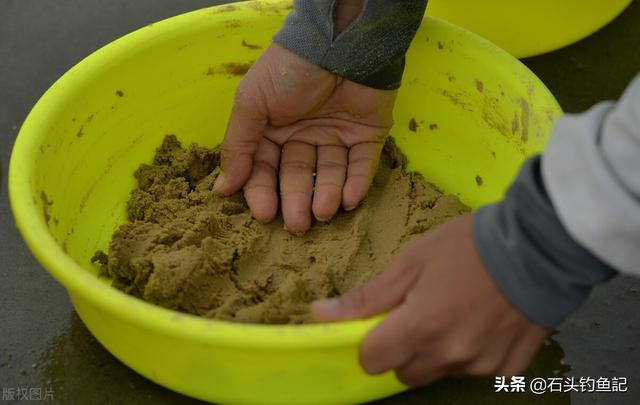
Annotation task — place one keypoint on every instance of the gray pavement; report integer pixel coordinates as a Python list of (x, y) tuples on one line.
[(45, 346)]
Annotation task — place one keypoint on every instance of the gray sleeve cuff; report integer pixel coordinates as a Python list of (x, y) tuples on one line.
[(539, 268), (370, 51)]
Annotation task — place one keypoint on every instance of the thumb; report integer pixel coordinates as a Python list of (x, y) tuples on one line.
[(245, 129), (380, 294)]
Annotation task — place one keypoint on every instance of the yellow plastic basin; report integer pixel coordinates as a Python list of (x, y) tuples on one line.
[(72, 164), (529, 27)]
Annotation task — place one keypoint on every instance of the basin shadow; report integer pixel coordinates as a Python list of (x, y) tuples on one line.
[(79, 369), (75, 366)]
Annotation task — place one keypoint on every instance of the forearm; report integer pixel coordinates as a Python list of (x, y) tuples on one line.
[(366, 46)]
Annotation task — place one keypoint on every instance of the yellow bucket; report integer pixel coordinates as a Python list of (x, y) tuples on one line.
[(479, 113), (529, 27)]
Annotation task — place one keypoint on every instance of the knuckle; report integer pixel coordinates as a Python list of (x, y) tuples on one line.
[(331, 164), (363, 161), (459, 353), (296, 165), (265, 164), (296, 197), (435, 326), (328, 186)]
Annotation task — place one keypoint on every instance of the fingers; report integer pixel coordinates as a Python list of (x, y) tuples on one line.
[(260, 191), (489, 360), (523, 351), (331, 172), (244, 131), (380, 294), (420, 371), (390, 346), (363, 160), (298, 163)]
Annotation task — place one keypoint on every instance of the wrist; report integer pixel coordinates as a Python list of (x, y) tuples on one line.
[(371, 48), (536, 264)]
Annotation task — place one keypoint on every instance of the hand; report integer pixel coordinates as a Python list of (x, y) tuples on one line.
[(318, 134), (447, 317)]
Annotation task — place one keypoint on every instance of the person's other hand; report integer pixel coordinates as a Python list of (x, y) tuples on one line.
[(305, 135), (447, 317)]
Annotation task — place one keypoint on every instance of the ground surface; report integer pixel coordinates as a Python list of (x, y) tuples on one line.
[(43, 344)]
